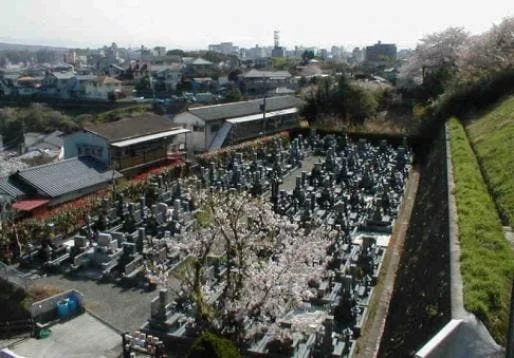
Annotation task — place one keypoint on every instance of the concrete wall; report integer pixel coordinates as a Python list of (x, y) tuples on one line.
[(196, 141), (44, 310), (81, 139)]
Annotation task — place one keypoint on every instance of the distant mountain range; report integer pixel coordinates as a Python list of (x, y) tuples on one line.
[(4, 46)]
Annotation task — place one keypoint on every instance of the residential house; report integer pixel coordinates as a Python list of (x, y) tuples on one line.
[(167, 77), (198, 67), (162, 60), (51, 143), (229, 123), (311, 70), (258, 83), (9, 192), (203, 84), (58, 182), (8, 83), (98, 87), (60, 84), (127, 145), (116, 70), (27, 85)]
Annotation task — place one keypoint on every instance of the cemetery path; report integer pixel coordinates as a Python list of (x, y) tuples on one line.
[(125, 309), (289, 181), (369, 343)]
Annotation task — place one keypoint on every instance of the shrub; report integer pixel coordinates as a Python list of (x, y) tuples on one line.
[(213, 346)]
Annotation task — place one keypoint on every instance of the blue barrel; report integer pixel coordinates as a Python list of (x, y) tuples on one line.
[(73, 305), (63, 309)]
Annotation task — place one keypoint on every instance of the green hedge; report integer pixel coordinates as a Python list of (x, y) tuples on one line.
[(492, 137), (487, 260), (213, 346)]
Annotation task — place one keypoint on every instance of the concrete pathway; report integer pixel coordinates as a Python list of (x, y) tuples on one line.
[(457, 297)]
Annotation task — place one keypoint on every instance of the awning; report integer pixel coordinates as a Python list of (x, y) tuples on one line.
[(255, 117), (29, 204), (145, 138)]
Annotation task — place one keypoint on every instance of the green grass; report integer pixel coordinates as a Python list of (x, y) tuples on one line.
[(487, 260), (122, 112), (492, 137)]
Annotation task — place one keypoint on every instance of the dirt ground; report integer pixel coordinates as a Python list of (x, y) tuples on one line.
[(421, 304)]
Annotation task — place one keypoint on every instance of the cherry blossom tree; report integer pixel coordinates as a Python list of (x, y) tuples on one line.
[(434, 61), (270, 265), (489, 52)]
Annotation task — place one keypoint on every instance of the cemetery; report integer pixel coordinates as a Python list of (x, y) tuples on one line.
[(278, 248)]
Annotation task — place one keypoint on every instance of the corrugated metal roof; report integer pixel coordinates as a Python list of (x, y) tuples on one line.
[(125, 143), (255, 117), (8, 187), (131, 127), (67, 176), (246, 108)]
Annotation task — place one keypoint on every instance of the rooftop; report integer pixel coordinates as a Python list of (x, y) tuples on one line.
[(7, 187), (131, 127), (63, 75), (201, 62), (59, 178), (245, 108), (266, 74)]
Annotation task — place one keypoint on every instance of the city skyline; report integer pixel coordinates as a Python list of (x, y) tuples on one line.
[(132, 23)]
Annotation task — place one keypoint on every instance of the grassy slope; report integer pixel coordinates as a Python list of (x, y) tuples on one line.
[(492, 137), (487, 261)]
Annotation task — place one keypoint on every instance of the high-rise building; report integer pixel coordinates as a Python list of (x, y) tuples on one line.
[(380, 52), (226, 48)]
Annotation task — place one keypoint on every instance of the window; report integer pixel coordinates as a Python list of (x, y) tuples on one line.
[(198, 128)]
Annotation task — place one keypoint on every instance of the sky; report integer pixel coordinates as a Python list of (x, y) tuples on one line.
[(195, 24)]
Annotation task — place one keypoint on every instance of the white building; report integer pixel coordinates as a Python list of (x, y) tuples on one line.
[(225, 124), (98, 87)]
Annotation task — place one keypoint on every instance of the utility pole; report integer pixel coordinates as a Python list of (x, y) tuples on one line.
[(263, 109)]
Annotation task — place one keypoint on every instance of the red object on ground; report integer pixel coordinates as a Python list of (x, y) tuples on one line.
[(30, 204)]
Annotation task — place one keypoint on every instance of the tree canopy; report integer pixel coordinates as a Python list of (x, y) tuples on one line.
[(268, 263)]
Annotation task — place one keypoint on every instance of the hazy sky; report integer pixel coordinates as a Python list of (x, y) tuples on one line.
[(195, 24)]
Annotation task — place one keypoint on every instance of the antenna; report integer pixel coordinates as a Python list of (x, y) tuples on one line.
[(276, 37)]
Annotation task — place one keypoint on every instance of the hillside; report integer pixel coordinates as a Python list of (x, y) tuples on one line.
[(4, 46), (492, 138), (487, 260)]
